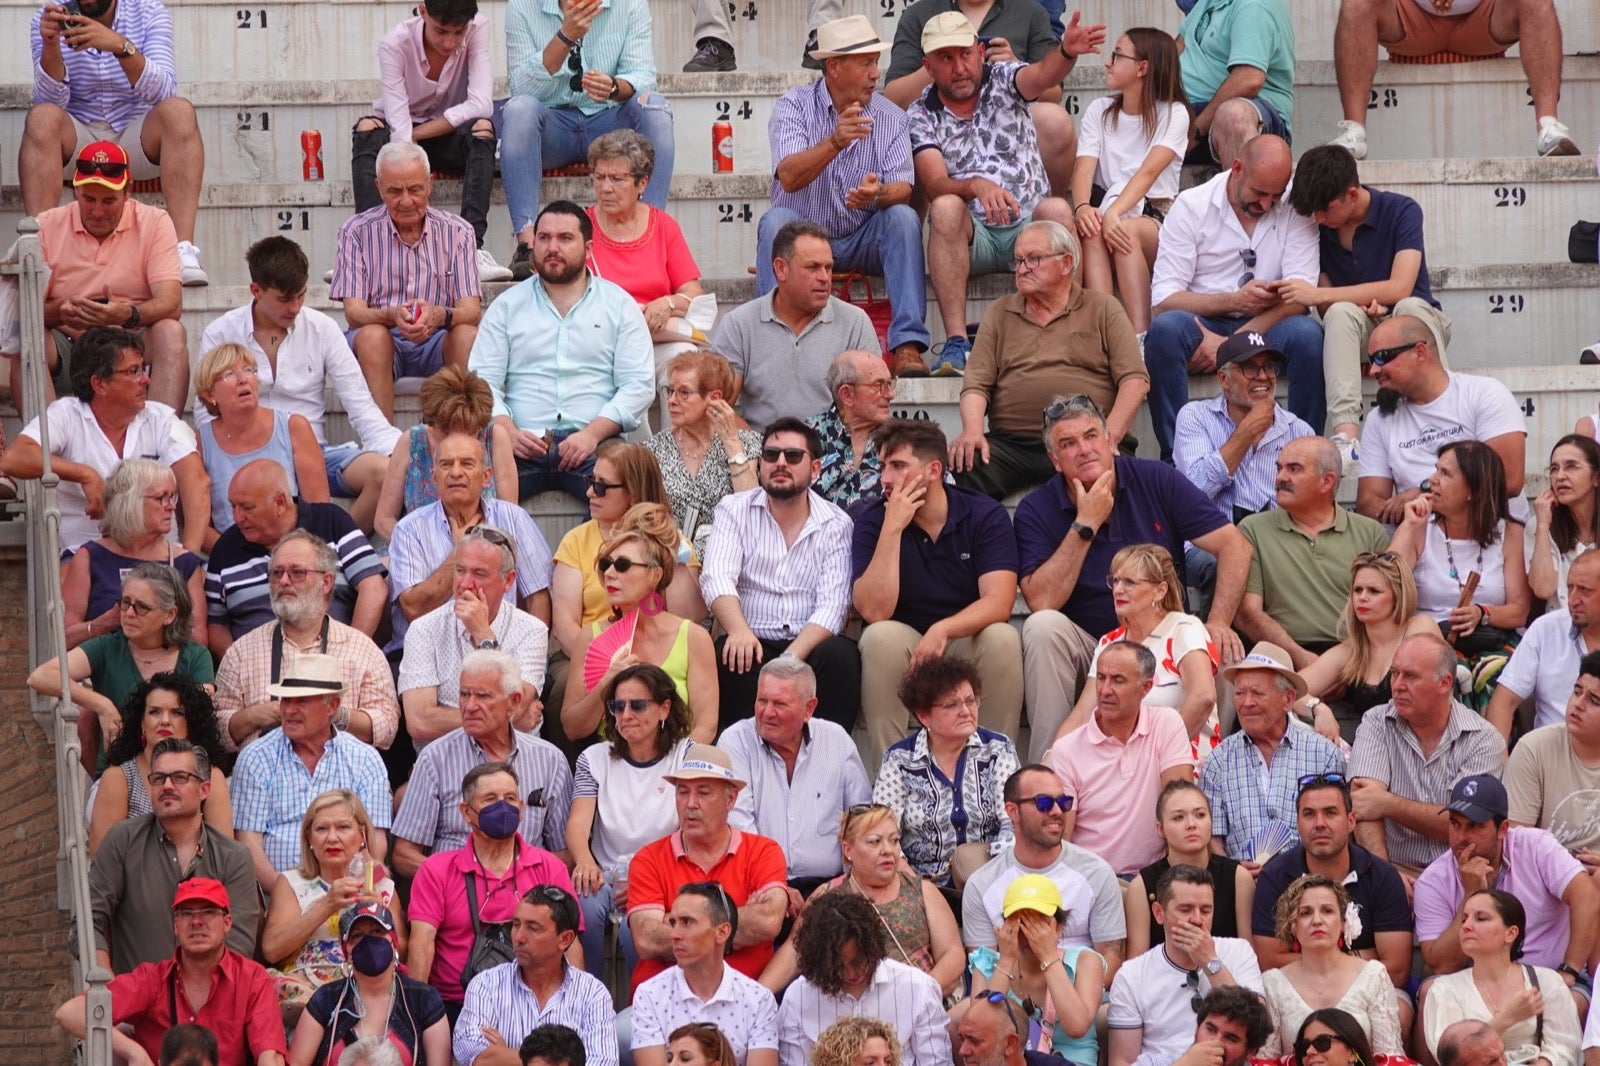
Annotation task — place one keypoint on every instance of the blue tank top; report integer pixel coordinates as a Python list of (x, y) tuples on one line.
[(222, 466), (106, 568)]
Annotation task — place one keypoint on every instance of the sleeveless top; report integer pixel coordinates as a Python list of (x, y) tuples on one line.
[(905, 919), (321, 957), (419, 487), (1363, 697), (676, 664), (1438, 591), (1224, 916), (222, 466), (106, 568), (138, 795)]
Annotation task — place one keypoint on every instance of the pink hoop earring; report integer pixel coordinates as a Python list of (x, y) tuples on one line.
[(653, 604)]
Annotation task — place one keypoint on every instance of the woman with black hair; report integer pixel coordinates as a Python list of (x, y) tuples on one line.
[(1568, 522), (1331, 1037)]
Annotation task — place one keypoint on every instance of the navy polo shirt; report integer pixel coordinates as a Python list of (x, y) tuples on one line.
[(1154, 505), (1374, 886), (939, 578), (1393, 225)]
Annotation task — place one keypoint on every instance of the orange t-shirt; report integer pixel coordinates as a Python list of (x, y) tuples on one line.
[(142, 251)]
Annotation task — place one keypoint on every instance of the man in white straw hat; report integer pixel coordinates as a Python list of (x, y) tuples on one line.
[(842, 159), (1253, 812), (750, 868), (278, 776)]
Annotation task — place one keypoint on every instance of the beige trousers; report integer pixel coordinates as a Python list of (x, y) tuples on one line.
[(1055, 660), (1345, 329)]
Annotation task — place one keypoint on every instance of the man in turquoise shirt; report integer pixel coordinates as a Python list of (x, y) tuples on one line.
[(1239, 50)]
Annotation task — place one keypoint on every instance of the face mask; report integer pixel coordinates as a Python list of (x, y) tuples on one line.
[(499, 820), (1186, 5), (372, 955)]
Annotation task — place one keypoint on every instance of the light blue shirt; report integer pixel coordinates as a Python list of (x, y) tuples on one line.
[(1247, 793), (549, 371), (618, 43), (272, 789), (1204, 426)]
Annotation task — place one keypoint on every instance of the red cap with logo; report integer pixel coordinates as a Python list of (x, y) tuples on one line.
[(202, 890), (102, 163)]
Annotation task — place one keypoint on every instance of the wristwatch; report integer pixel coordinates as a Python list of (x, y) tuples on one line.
[(1086, 532), (129, 49), (133, 317), (1312, 703), (1571, 971), (1213, 967), (449, 317), (488, 645), (738, 458)]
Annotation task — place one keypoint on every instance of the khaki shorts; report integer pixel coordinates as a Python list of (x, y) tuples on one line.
[(1426, 35), (128, 140)]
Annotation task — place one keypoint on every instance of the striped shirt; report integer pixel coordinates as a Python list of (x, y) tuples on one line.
[(421, 542), (781, 588), (246, 671), (375, 266), (1204, 426), (1387, 751), (904, 996), (937, 815), (237, 594), (500, 999), (438, 642), (804, 118), (1247, 794), (272, 789), (618, 42), (430, 812), (743, 1009), (96, 88)]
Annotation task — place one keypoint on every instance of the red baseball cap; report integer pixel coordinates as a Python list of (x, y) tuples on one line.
[(203, 890), (102, 163)]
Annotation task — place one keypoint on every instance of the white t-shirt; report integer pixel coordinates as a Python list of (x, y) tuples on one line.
[(1545, 666), (1404, 446), (156, 432), (1457, 9), (1152, 994), (985, 892), (1562, 561), (633, 804), (1122, 149)]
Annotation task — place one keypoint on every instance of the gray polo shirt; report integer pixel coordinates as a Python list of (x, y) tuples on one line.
[(786, 374)]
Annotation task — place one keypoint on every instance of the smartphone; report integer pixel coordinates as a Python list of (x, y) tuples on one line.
[(73, 8), (981, 39)]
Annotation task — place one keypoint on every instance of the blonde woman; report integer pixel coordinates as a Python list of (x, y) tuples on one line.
[(857, 1041)]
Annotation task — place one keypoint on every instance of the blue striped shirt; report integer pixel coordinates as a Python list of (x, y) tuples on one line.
[(1204, 426), (272, 789), (96, 88), (618, 43), (1246, 793), (804, 118), (374, 265), (499, 998)]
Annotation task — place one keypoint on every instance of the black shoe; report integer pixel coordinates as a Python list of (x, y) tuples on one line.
[(711, 55), (522, 263), (805, 53)]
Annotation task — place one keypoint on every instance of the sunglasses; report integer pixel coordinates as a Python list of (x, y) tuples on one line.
[(549, 893), (1376, 557), (1060, 409), (1384, 356), (575, 64), (1191, 981), (104, 168), (1043, 803), (792, 456), (600, 488), (1308, 780), (620, 563), (617, 708), (493, 536), (1248, 257), (999, 999), (1320, 1044)]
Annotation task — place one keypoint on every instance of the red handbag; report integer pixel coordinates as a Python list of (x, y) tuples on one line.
[(876, 307)]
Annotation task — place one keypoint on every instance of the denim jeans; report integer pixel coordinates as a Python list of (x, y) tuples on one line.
[(889, 244), (545, 474), (1173, 337), (596, 914), (535, 137), (457, 150)]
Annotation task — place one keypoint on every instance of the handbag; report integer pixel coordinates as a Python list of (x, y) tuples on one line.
[(491, 941), (1582, 242), (876, 307)]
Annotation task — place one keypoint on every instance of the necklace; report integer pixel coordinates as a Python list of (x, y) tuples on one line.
[(1450, 556), (148, 660)]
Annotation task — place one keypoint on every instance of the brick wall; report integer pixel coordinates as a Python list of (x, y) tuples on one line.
[(35, 974)]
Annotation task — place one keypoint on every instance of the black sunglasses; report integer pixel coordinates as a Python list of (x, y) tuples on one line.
[(1307, 780), (1375, 557), (792, 456), (1043, 803), (102, 167), (1191, 981), (575, 64), (1319, 1043), (620, 563), (1058, 410), (550, 893), (615, 708), (600, 488), (1385, 356)]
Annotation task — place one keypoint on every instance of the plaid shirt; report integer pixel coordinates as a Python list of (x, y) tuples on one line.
[(1246, 793), (272, 789)]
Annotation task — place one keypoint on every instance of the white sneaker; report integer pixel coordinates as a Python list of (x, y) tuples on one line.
[(1555, 138), (1353, 136), (1590, 356), (189, 265), (327, 276), (1348, 453), (489, 269)]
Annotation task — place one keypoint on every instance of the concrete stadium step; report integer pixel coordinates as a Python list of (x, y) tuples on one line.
[(300, 39)]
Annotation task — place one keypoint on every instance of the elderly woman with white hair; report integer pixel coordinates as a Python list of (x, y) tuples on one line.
[(140, 501), (228, 383)]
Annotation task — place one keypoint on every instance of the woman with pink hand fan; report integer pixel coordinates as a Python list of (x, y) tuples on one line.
[(636, 565)]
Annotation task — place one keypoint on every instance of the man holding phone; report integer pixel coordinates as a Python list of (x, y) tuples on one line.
[(103, 71), (1225, 245)]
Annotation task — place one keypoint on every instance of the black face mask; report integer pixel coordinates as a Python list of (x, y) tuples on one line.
[(372, 955)]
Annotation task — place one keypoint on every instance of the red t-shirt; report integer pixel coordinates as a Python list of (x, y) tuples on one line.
[(657, 263), (242, 1008), (752, 865)]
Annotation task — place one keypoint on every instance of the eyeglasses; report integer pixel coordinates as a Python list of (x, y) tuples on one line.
[(1384, 356), (858, 809), (1248, 257), (177, 777), (133, 373), (1043, 803), (103, 167), (600, 488), (165, 499), (1079, 404), (235, 373), (1033, 262), (1123, 55), (1308, 780), (958, 703), (998, 999), (548, 893), (792, 456), (681, 392), (884, 386), (1191, 981), (1268, 369), (607, 179), (295, 574), (620, 563), (1114, 583), (138, 607), (617, 708), (575, 64), (1319, 1043), (189, 914), (1376, 557)]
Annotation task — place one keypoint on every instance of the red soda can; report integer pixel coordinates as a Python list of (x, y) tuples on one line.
[(311, 149), (722, 147)]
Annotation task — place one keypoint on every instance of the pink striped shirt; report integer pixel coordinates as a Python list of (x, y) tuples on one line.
[(464, 90), (375, 265)]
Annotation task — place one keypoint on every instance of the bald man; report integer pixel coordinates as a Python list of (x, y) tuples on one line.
[(237, 576), (1223, 245)]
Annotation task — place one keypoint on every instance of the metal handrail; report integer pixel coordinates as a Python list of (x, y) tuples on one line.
[(47, 639)]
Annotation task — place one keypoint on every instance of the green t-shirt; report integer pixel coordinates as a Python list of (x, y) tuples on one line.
[(1221, 34)]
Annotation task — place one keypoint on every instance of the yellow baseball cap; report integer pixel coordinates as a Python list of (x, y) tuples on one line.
[(1032, 892)]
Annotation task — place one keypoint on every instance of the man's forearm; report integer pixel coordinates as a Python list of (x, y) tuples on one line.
[(1258, 625), (430, 592), (1271, 317), (729, 615), (810, 636), (1204, 304), (1233, 574), (893, 193), (1130, 397), (795, 172), (979, 615), (881, 579), (1051, 585), (371, 596), (1424, 818), (1242, 80)]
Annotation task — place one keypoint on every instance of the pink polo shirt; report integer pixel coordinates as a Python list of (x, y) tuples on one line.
[(142, 251), (1115, 784), (439, 898)]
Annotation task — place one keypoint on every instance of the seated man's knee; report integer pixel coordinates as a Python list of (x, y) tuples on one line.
[(1168, 330), (371, 124), (373, 341), (176, 114), (1054, 209), (483, 129), (522, 114), (44, 120), (949, 215), (1343, 315), (885, 638), (166, 337)]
